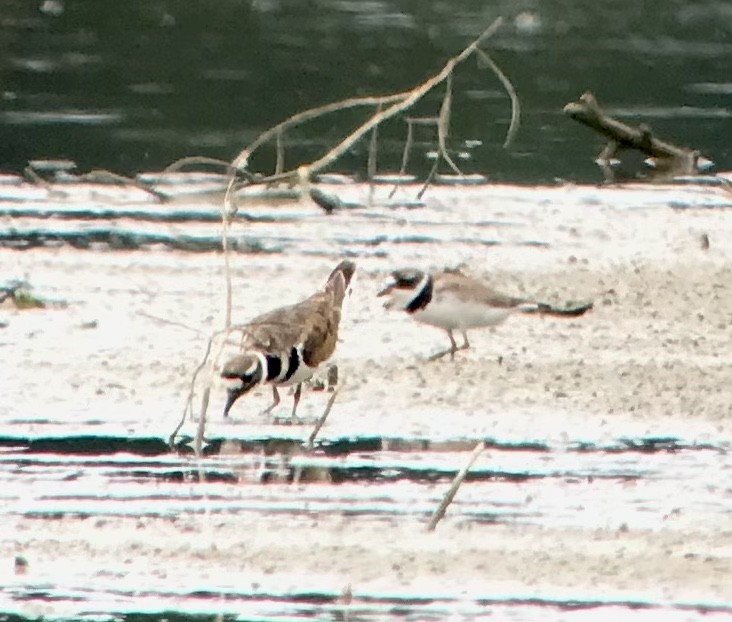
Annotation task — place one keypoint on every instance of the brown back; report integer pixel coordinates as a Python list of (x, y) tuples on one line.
[(466, 288), (313, 322)]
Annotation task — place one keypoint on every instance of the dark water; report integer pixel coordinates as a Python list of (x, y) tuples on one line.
[(132, 86)]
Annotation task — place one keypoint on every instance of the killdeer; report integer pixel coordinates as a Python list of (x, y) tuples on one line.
[(285, 346), (453, 301)]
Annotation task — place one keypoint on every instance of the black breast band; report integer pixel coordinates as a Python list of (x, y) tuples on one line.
[(422, 299), (274, 366), (292, 364)]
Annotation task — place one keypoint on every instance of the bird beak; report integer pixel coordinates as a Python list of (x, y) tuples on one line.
[(234, 393), (385, 291), (232, 396)]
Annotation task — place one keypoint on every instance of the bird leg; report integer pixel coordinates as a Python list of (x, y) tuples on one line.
[(273, 405), (294, 419), (453, 347), (466, 344), (451, 350), (296, 401)]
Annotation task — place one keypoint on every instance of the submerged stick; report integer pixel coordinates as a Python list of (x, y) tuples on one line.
[(450, 495), (323, 417)]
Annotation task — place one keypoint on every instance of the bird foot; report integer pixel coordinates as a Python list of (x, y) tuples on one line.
[(438, 355), (451, 351)]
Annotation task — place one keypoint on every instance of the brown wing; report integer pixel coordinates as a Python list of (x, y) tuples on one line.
[(312, 322), (467, 288), (320, 335), (278, 330)]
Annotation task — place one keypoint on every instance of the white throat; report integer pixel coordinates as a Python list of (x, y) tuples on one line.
[(402, 298), (265, 366)]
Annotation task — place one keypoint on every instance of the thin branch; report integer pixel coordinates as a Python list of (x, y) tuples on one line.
[(452, 491), (105, 176), (323, 417), (100, 176), (407, 147), (515, 104), (413, 97), (225, 222), (188, 408), (241, 160), (397, 104), (280, 164), (429, 179), (228, 211), (443, 125), (195, 160), (201, 427), (373, 152), (405, 154), (35, 178), (163, 320)]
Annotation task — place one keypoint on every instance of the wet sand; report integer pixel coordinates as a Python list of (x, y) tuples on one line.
[(652, 360)]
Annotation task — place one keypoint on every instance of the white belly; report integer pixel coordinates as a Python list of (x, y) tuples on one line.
[(451, 313), (302, 374)]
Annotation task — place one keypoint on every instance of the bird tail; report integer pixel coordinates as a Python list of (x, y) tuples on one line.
[(339, 280), (570, 311)]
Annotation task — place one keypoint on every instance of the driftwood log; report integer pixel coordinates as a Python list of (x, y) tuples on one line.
[(665, 159)]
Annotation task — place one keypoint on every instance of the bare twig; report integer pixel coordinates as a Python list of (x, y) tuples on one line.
[(430, 176), (515, 104), (407, 147), (241, 160), (726, 185), (372, 159), (400, 106), (373, 154), (105, 176), (226, 214), (450, 494), (396, 104), (195, 160), (323, 417), (405, 154), (201, 428), (188, 408), (35, 178), (164, 320), (280, 164), (443, 125)]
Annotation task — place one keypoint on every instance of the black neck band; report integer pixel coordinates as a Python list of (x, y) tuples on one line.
[(292, 364), (274, 366), (422, 299)]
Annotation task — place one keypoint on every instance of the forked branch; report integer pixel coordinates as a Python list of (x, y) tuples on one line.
[(387, 107)]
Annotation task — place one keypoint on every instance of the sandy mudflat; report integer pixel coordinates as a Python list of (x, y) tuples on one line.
[(651, 360)]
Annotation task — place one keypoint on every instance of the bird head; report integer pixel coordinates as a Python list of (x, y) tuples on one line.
[(403, 287), (243, 373)]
